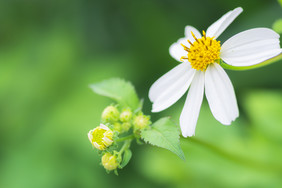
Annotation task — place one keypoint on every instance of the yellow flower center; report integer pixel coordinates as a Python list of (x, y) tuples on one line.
[(101, 138), (98, 135), (202, 52)]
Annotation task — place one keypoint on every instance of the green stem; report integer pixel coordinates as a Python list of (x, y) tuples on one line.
[(129, 137), (125, 146), (267, 62), (234, 157)]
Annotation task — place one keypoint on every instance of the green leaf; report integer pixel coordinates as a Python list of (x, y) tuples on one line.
[(164, 134), (280, 1), (277, 26), (126, 158), (119, 90)]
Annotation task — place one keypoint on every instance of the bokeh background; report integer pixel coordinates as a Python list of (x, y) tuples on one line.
[(50, 51)]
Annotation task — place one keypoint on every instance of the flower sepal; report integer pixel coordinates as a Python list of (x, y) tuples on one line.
[(243, 68)]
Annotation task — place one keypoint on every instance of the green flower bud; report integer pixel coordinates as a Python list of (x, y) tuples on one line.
[(141, 122), (125, 115), (101, 137), (110, 114), (125, 126), (109, 161), (118, 127)]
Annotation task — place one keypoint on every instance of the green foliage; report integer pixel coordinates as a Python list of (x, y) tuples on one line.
[(280, 1), (164, 134), (277, 26), (250, 147), (50, 50), (126, 158), (119, 90), (264, 109)]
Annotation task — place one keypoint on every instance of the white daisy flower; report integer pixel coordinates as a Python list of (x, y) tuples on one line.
[(200, 69)]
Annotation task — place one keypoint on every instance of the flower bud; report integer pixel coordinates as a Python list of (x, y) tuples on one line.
[(109, 161), (141, 122), (125, 115), (117, 127), (110, 114), (101, 137), (125, 126)]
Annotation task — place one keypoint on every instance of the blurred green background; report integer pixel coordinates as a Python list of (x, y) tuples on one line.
[(50, 51)]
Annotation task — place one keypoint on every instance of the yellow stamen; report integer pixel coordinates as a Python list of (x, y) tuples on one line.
[(204, 34), (194, 36), (183, 57), (190, 42), (185, 47), (202, 52)]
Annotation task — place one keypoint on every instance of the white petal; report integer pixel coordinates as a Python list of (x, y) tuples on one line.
[(90, 135), (191, 110), (220, 25), (188, 35), (107, 140), (166, 80), (102, 126), (220, 94), (251, 47), (170, 87), (176, 50), (96, 145)]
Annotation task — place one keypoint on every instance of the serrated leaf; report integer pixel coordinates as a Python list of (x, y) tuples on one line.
[(119, 90), (164, 134), (126, 158)]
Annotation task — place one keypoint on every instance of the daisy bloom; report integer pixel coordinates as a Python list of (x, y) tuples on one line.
[(200, 69)]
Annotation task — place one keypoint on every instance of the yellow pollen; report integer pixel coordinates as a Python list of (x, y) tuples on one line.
[(202, 52)]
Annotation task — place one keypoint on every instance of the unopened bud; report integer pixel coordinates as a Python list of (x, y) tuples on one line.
[(117, 127), (125, 126), (141, 122), (110, 114), (109, 161), (101, 137), (125, 115)]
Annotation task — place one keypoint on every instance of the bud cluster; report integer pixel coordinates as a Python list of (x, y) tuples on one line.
[(115, 122), (120, 120)]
